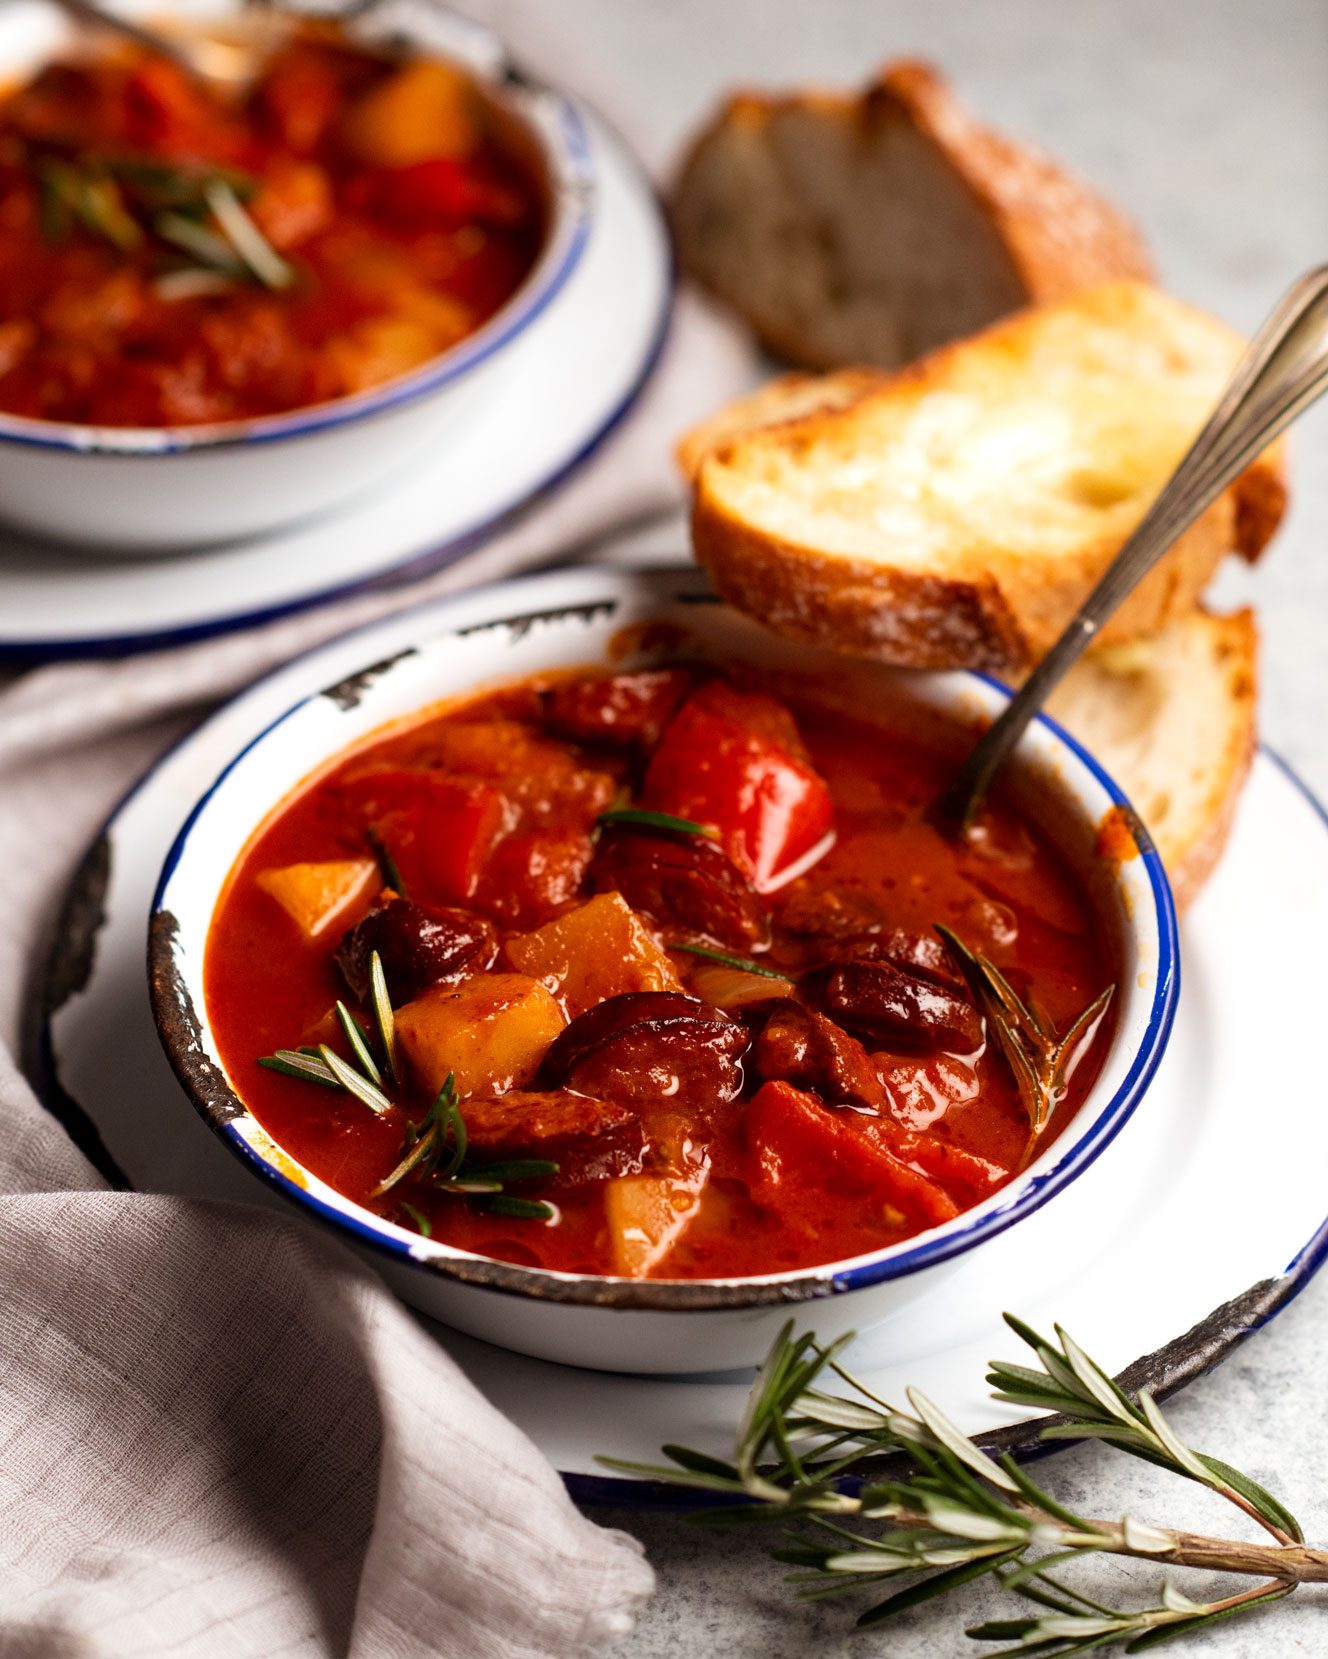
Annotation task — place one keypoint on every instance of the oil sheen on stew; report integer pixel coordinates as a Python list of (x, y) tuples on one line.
[(666, 947), (171, 254)]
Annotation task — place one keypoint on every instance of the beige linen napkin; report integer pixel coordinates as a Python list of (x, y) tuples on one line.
[(221, 1435)]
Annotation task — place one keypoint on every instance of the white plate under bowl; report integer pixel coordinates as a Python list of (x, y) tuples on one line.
[(1189, 1231), (573, 375)]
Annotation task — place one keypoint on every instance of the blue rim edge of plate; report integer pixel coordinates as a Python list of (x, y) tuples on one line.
[(1186, 1357), (424, 561)]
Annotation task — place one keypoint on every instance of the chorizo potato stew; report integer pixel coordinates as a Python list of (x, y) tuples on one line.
[(654, 974), (173, 255)]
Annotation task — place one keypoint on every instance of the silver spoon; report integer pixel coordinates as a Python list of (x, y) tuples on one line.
[(1282, 373)]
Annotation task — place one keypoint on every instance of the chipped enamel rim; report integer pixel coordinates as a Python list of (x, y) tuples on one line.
[(563, 145), (523, 638)]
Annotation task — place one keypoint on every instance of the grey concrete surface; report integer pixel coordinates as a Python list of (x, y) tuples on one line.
[(1208, 119)]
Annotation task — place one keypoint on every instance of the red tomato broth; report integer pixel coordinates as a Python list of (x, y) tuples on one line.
[(392, 263), (1012, 896)]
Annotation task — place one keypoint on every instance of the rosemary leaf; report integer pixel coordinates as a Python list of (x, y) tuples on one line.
[(245, 237), (387, 865), (354, 1082), (522, 1209), (514, 1169), (743, 962), (199, 242), (938, 1584), (358, 1045), (384, 1016), (296, 1063), (642, 818)]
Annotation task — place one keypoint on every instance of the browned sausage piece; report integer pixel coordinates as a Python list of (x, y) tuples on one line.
[(684, 882), (420, 947), (803, 1047), (918, 954), (649, 1047), (884, 1003), (588, 1139), (622, 709)]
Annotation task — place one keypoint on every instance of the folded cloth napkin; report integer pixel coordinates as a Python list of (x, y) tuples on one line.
[(221, 1434)]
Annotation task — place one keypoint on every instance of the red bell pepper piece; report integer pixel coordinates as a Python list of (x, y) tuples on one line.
[(799, 1144), (731, 760), (438, 831)]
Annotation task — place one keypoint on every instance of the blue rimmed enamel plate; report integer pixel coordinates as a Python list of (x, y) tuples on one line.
[(1192, 1228)]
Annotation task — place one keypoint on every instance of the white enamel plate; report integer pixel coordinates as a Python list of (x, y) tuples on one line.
[(1202, 1218)]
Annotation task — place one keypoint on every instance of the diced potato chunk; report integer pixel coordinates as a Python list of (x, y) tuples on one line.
[(647, 1215), (316, 895), (490, 1032), (425, 111), (601, 950)]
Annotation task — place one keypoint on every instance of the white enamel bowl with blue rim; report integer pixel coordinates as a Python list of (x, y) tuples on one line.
[(656, 1326), (131, 490)]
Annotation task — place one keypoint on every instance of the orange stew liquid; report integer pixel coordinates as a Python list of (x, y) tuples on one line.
[(670, 946), (170, 255)]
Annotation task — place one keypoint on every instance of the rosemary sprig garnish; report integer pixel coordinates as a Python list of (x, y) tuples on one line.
[(953, 1513), (436, 1152), (1037, 1057), (175, 200), (644, 819), (441, 1134), (436, 1146), (743, 962)]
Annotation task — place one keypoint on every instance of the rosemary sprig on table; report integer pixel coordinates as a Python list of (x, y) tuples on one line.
[(436, 1146), (1039, 1059), (952, 1513)]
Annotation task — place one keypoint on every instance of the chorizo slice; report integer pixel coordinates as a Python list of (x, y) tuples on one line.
[(420, 946), (801, 1046), (650, 1047), (624, 710), (686, 883), (885, 1003), (589, 1139)]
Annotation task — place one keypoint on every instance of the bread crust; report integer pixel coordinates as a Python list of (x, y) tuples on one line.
[(1056, 233), (1191, 866), (997, 610)]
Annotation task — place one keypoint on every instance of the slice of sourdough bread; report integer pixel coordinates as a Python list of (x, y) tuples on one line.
[(957, 514), (873, 227), (1172, 718)]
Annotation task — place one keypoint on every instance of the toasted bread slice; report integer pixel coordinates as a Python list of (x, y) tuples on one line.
[(1172, 719), (786, 398), (871, 228), (958, 514)]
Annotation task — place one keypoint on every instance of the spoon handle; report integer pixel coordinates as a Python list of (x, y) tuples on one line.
[(95, 16), (1281, 374)]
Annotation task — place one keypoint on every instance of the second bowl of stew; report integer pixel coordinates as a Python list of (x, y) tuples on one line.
[(228, 307), (604, 970)]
